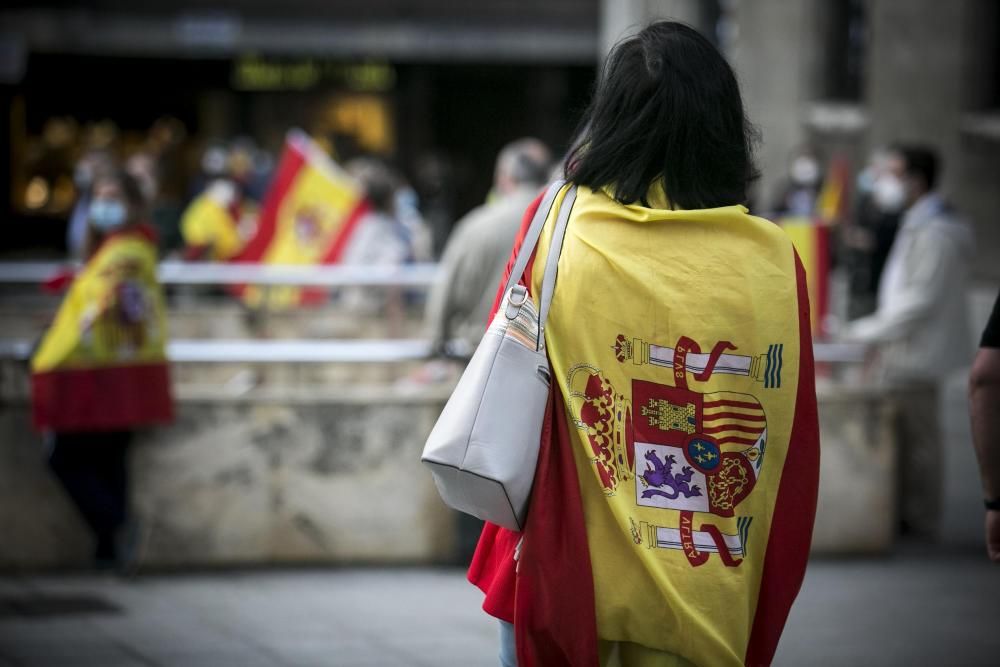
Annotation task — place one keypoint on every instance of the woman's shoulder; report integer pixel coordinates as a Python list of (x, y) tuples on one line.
[(600, 205)]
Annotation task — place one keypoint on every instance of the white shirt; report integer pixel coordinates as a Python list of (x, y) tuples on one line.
[(921, 322)]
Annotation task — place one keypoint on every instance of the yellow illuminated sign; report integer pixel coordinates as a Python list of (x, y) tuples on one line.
[(256, 73)]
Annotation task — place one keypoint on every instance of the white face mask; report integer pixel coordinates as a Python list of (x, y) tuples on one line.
[(889, 194), (805, 171), (107, 214)]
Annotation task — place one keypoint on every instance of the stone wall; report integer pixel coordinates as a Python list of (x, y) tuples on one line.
[(259, 479), (299, 474), (857, 493)]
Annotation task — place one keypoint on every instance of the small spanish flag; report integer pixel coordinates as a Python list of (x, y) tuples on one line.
[(308, 217), (831, 203), (102, 364), (811, 237)]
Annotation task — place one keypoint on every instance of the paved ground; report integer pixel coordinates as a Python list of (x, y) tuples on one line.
[(918, 608)]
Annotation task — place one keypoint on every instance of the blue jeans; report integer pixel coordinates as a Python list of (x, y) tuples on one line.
[(508, 649)]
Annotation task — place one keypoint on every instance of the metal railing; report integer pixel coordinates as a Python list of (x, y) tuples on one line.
[(356, 351), (213, 273), (272, 351), (299, 350)]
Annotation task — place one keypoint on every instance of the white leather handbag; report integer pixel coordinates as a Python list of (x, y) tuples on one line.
[(483, 449)]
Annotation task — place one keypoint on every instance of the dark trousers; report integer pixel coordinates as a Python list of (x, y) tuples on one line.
[(93, 469)]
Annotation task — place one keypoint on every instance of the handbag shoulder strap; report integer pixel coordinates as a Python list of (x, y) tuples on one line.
[(531, 237), (552, 261)]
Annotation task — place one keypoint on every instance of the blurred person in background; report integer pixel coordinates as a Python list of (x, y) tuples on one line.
[(869, 238), (93, 163), (674, 313), (406, 203), (984, 402), (434, 180), (145, 169), (475, 256), (383, 236), (168, 171), (919, 332), (141, 166), (222, 218), (797, 198), (100, 370), (212, 167)]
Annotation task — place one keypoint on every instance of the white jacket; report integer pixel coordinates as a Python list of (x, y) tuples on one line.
[(921, 322)]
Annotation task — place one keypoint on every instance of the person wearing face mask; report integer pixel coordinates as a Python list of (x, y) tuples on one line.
[(100, 370), (868, 240), (919, 332), (92, 164), (798, 197)]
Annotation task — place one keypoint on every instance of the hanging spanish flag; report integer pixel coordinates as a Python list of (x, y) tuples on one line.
[(674, 499), (831, 203), (811, 237), (812, 241), (308, 217), (102, 363)]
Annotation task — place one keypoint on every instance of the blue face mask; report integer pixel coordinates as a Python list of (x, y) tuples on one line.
[(107, 214)]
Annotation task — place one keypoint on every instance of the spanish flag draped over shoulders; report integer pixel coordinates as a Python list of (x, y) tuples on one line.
[(674, 499), (102, 364)]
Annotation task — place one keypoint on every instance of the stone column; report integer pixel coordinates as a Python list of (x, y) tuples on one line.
[(777, 55), (621, 18), (914, 87)]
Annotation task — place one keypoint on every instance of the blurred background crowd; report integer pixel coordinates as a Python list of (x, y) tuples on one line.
[(412, 135), (197, 101)]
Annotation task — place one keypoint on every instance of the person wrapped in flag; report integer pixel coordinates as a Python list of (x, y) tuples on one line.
[(675, 494), (100, 370), (220, 220)]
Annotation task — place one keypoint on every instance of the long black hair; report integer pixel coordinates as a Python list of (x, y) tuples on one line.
[(668, 107)]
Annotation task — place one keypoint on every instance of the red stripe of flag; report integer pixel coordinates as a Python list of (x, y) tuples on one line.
[(292, 161), (733, 440), (345, 232), (108, 398), (795, 507), (822, 277), (734, 415), (310, 296), (733, 404), (732, 427)]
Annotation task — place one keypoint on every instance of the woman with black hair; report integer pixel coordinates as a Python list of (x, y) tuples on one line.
[(676, 486)]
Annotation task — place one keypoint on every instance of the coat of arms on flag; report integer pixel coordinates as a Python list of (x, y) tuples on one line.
[(688, 451), (701, 451)]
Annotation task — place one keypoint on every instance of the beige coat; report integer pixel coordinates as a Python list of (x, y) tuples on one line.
[(472, 266)]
